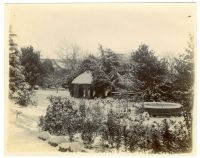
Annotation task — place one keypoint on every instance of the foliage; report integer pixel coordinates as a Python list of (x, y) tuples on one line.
[(118, 129), (103, 68), (145, 62), (97, 114), (92, 120), (89, 63), (82, 109), (88, 130), (61, 117), (109, 60), (19, 90), (47, 66), (165, 137), (100, 79), (100, 82), (53, 75), (33, 71), (24, 96), (184, 76), (15, 67), (113, 130)]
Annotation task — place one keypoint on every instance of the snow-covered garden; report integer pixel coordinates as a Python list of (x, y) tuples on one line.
[(60, 123)]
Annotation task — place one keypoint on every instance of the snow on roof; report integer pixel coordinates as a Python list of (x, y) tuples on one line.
[(84, 78)]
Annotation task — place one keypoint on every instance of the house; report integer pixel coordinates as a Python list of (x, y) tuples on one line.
[(82, 86)]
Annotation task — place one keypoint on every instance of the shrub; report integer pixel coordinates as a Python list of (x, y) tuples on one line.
[(92, 120), (82, 109), (87, 133), (23, 95), (137, 136), (112, 131), (172, 137), (116, 129), (61, 117), (97, 116), (156, 146), (165, 137)]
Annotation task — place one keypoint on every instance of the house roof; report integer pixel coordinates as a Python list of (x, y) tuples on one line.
[(57, 63), (84, 78)]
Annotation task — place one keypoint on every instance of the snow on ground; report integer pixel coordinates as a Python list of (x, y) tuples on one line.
[(22, 130), (43, 101)]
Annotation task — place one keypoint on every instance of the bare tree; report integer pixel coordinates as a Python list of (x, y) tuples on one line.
[(56, 80), (71, 55)]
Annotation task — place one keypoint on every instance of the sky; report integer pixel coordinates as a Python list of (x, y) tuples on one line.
[(164, 27)]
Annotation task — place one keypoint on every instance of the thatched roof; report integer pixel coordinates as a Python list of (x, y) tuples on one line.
[(84, 78)]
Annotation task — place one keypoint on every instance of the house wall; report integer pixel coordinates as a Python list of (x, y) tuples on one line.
[(86, 91), (82, 91)]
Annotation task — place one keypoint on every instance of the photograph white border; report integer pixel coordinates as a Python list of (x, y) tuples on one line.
[(2, 57)]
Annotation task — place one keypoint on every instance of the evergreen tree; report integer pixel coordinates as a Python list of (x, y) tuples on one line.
[(16, 76), (33, 72), (109, 60), (47, 67), (18, 88), (148, 72), (184, 76), (184, 83), (89, 63)]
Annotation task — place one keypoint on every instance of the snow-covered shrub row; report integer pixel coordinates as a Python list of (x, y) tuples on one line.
[(136, 135), (100, 124), (168, 136)]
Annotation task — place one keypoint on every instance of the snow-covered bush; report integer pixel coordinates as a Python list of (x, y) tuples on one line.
[(87, 134), (176, 137), (112, 131), (91, 120), (165, 137), (61, 117), (96, 114), (145, 116), (23, 95), (117, 129), (139, 108), (19, 90), (82, 109), (137, 136)]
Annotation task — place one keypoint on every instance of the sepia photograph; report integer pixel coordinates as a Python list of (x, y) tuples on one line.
[(100, 78)]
